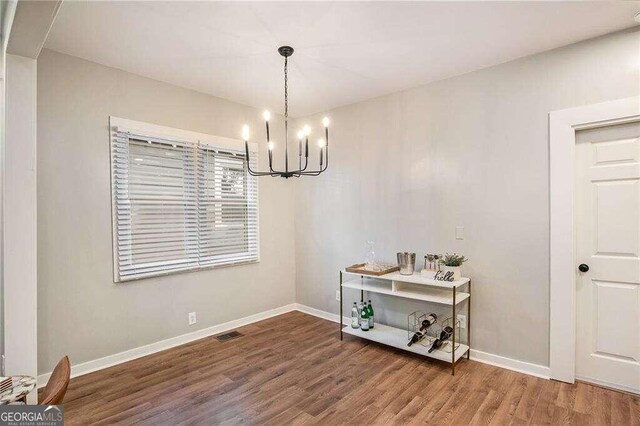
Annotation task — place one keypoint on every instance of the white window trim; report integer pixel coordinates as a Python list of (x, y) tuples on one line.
[(163, 132), (563, 125)]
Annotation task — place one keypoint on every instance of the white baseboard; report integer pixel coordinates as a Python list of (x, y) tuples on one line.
[(119, 358), (484, 357), (321, 314), (537, 370)]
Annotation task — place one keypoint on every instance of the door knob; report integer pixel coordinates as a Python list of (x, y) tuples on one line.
[(583, 267)]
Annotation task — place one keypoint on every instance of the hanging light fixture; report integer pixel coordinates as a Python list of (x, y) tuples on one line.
[(303, 135)]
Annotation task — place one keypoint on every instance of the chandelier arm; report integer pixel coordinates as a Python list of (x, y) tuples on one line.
[(275, 172), (303, 172), (326, 137), (271, 163), (306, 163), (246, 152), (255, 172), (306, 159), (252, 173), (302, 169), (312, 173), (326, 158)]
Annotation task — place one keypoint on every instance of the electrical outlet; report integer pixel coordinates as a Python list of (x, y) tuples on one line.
[(338, 295), (463, 321), (192, 318)]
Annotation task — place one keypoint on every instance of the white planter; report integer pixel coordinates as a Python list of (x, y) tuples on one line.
[(457, 274)]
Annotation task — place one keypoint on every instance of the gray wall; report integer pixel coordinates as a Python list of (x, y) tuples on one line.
[(470, 151), (81, 312), (405, 170)]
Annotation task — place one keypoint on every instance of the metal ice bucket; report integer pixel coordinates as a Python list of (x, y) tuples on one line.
[(407, 262)]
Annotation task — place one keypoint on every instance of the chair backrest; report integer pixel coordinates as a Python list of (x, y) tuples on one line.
[(53, 392)]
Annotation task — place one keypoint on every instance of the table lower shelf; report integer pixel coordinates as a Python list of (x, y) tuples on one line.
[(397, 338)]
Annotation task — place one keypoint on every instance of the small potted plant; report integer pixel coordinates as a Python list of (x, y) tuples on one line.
[(452, 263)]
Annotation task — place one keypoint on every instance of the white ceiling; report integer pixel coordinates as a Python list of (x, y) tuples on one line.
[(345, 51)]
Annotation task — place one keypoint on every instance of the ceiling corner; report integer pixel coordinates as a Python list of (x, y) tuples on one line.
[(31, 25)]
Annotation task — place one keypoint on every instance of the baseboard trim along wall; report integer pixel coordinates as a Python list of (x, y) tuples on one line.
[(131, 354), (321, 314), (119, 358), (511, 364)]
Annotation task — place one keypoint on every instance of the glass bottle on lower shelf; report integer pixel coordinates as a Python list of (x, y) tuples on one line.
[(370, 314), (364, 319), (355, 317)]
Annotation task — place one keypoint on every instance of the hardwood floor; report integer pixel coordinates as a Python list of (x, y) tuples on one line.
[(293, 369)]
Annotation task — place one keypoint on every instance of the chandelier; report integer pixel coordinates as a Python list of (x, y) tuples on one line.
[(303, 135)]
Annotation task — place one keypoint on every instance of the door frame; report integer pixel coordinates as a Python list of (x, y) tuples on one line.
[(563, 125)]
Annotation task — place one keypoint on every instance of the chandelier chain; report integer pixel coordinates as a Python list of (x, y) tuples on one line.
[(286, 94)]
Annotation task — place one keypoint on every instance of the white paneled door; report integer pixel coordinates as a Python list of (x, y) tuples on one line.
[(607, 206)]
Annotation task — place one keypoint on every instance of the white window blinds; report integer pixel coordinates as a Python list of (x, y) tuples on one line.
[(180, 205)]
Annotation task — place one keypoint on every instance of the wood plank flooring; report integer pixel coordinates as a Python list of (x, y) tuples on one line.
[(293, 369)]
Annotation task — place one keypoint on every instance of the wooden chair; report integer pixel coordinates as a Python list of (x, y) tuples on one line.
[(53, 392)]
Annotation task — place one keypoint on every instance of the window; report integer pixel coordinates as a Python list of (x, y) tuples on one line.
[(180, 201)]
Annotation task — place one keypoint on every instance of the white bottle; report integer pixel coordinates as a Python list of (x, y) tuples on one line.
[(355, 317)]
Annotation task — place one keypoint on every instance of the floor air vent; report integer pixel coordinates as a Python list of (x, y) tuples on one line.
[(228, 336)]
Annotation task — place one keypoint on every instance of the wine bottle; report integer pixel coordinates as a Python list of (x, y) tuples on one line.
[(355, 318), (445, 334), (428, 322), (370, 314), (422, 332), (364, 320), (417, 336)]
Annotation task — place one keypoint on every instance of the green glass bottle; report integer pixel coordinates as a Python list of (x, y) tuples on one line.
[(370, 314), (364, 319)]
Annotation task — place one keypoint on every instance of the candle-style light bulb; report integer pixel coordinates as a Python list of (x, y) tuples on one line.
[(271, 145), (245, 132), (325, 122), (300, 135), (306, 129), (321, 143), (266, 115)]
